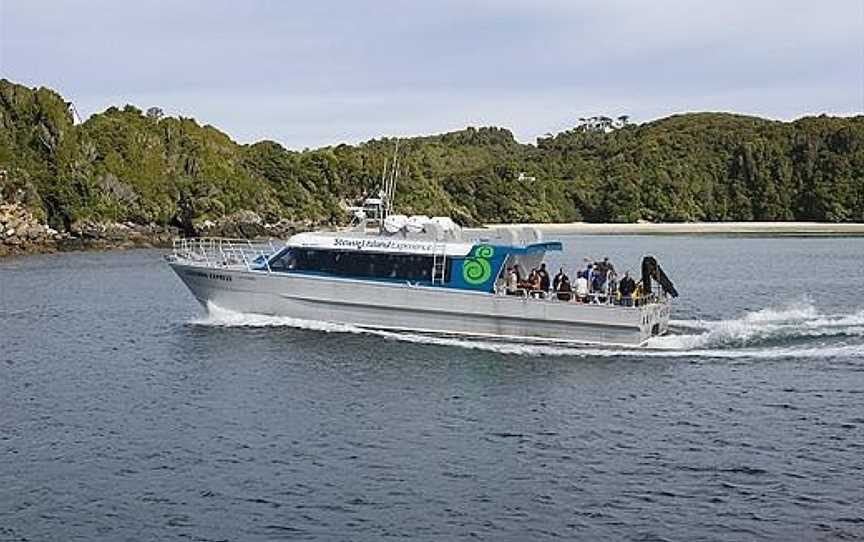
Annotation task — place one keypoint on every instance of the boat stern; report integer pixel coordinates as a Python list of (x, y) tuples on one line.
[(655, 319)]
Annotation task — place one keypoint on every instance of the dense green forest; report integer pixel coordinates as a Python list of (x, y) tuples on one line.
[(129, 165)]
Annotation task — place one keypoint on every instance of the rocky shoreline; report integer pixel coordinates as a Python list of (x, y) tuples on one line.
[(21, 232)]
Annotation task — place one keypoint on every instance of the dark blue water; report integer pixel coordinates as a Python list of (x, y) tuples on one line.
[(127, 415)]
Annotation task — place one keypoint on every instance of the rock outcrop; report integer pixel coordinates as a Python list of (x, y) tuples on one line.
[(21, 232), (249, 225)]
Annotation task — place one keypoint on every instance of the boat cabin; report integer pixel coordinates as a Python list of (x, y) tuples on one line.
[(456, 262)]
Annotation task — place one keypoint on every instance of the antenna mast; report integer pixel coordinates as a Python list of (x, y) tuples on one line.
[(390, 181), (383, 179)]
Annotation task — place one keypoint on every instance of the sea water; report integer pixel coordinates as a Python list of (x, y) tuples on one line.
[(126, 413)]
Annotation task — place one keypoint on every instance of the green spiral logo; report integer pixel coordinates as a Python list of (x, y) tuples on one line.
[(484, 251), (477, 269)]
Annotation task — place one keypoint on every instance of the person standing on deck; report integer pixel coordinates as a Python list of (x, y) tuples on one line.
[(518, 271), (564, 290), (603, 269), (533, 284), (611, 284), (607, 265), (556, 282), (581, 287), (512, 280), (626, 287), (544, 277)]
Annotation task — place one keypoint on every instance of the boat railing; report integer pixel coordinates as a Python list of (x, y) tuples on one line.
[(592, 299), (221, 252)]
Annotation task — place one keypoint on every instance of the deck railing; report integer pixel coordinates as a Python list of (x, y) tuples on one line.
[(604, 298), (222, 252)]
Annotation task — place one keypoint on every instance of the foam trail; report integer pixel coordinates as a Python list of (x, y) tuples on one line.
[(796, 322), (219, 317), (845, 351), (740, 338)]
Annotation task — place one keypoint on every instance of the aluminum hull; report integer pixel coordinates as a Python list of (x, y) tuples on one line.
[(398, 306)]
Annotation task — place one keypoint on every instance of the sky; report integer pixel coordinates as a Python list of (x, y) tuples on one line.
[(309, 74)]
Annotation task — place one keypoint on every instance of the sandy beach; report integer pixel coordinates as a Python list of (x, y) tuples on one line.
[(699, 228)]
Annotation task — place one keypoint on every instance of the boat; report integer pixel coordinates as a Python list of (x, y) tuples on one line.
[(417, 274)]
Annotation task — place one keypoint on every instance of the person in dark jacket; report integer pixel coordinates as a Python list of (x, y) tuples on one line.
[(556, 282), (563, 289), (596, 282), (544, 278), (626, 288)]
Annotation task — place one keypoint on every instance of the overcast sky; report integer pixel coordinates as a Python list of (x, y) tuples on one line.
[(316, 73)]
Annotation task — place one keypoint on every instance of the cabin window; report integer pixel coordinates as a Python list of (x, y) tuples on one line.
[(284, 261), (413, 267)]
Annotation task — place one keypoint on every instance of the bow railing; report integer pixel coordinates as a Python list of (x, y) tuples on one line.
[(220, 252)]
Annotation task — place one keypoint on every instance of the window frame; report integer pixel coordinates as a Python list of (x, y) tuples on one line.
[(382, 266)]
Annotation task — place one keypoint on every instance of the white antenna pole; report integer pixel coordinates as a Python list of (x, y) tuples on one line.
[(393, 187), (398, 176), (383, 192), (393, 178)]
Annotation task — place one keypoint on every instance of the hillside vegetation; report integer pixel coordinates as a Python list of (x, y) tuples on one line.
[(126, 165)]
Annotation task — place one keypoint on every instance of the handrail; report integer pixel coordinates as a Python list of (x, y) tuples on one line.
[(225, 252), (551, 296)]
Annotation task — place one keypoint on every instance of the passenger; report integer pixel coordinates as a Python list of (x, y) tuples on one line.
[(597, 282), (512, 284), (600, 268), (525, 283), (534, 283), (581, 287), (534, 279), (563, 290), (518, 272), (544, 278), (599, 278), (626, 288), (638, 294), (556, 282), (611, 283), (607, 265), (589, 275)]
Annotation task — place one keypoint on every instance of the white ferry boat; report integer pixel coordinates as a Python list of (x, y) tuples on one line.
[(416, 274)]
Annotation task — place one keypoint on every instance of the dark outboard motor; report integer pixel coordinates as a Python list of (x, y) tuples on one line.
[(651, 270)]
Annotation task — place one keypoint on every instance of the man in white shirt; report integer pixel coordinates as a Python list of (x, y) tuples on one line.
[(581, 287)]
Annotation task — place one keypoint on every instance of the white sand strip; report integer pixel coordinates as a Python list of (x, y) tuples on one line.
[(715, 228)]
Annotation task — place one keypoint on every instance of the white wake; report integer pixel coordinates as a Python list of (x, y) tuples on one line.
[(795, 322), (791, 332)]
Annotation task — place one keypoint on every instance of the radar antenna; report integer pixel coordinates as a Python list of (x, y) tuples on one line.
[(376, 209)]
